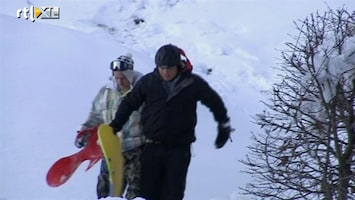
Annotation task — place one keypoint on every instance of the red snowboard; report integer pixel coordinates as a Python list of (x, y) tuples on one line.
[(64, 168)]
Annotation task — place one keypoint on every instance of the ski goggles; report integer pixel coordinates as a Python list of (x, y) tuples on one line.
[(120, 66)]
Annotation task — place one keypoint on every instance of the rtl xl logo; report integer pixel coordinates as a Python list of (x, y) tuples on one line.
[(43, 12)]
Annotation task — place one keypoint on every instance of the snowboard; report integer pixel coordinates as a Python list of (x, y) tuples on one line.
[(112, 150), (61, 171)]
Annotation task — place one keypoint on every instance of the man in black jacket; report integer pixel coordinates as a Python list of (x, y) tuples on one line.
[(170, 94)]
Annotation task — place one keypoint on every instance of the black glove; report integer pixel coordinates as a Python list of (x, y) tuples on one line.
[(81, 140), (115, 129), (224, 130)]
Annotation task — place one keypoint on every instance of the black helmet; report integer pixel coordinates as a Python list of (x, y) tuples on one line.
[(168, 55)]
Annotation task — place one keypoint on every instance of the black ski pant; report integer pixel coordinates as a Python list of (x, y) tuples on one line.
[(164, 171)]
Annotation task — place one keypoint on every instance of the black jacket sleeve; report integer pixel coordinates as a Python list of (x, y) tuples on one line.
[(209, 97), (130, 103)]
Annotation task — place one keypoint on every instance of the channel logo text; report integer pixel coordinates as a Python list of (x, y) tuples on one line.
[(42, 12)]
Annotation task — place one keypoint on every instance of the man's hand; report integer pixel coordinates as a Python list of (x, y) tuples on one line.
[(81, 140), (115, 130), (224, 130)]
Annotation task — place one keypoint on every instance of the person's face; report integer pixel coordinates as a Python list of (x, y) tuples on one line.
[(168, 73), (121, 80)]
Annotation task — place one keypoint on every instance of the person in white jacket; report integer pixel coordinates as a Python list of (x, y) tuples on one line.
[(103, 110)]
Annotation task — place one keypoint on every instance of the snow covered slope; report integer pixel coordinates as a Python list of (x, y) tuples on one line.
[(51, 70)]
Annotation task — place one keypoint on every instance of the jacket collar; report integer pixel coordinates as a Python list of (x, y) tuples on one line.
[(184, 80), (180, 85)]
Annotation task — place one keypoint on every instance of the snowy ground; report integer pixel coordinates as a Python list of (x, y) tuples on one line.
[(51, 70)]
